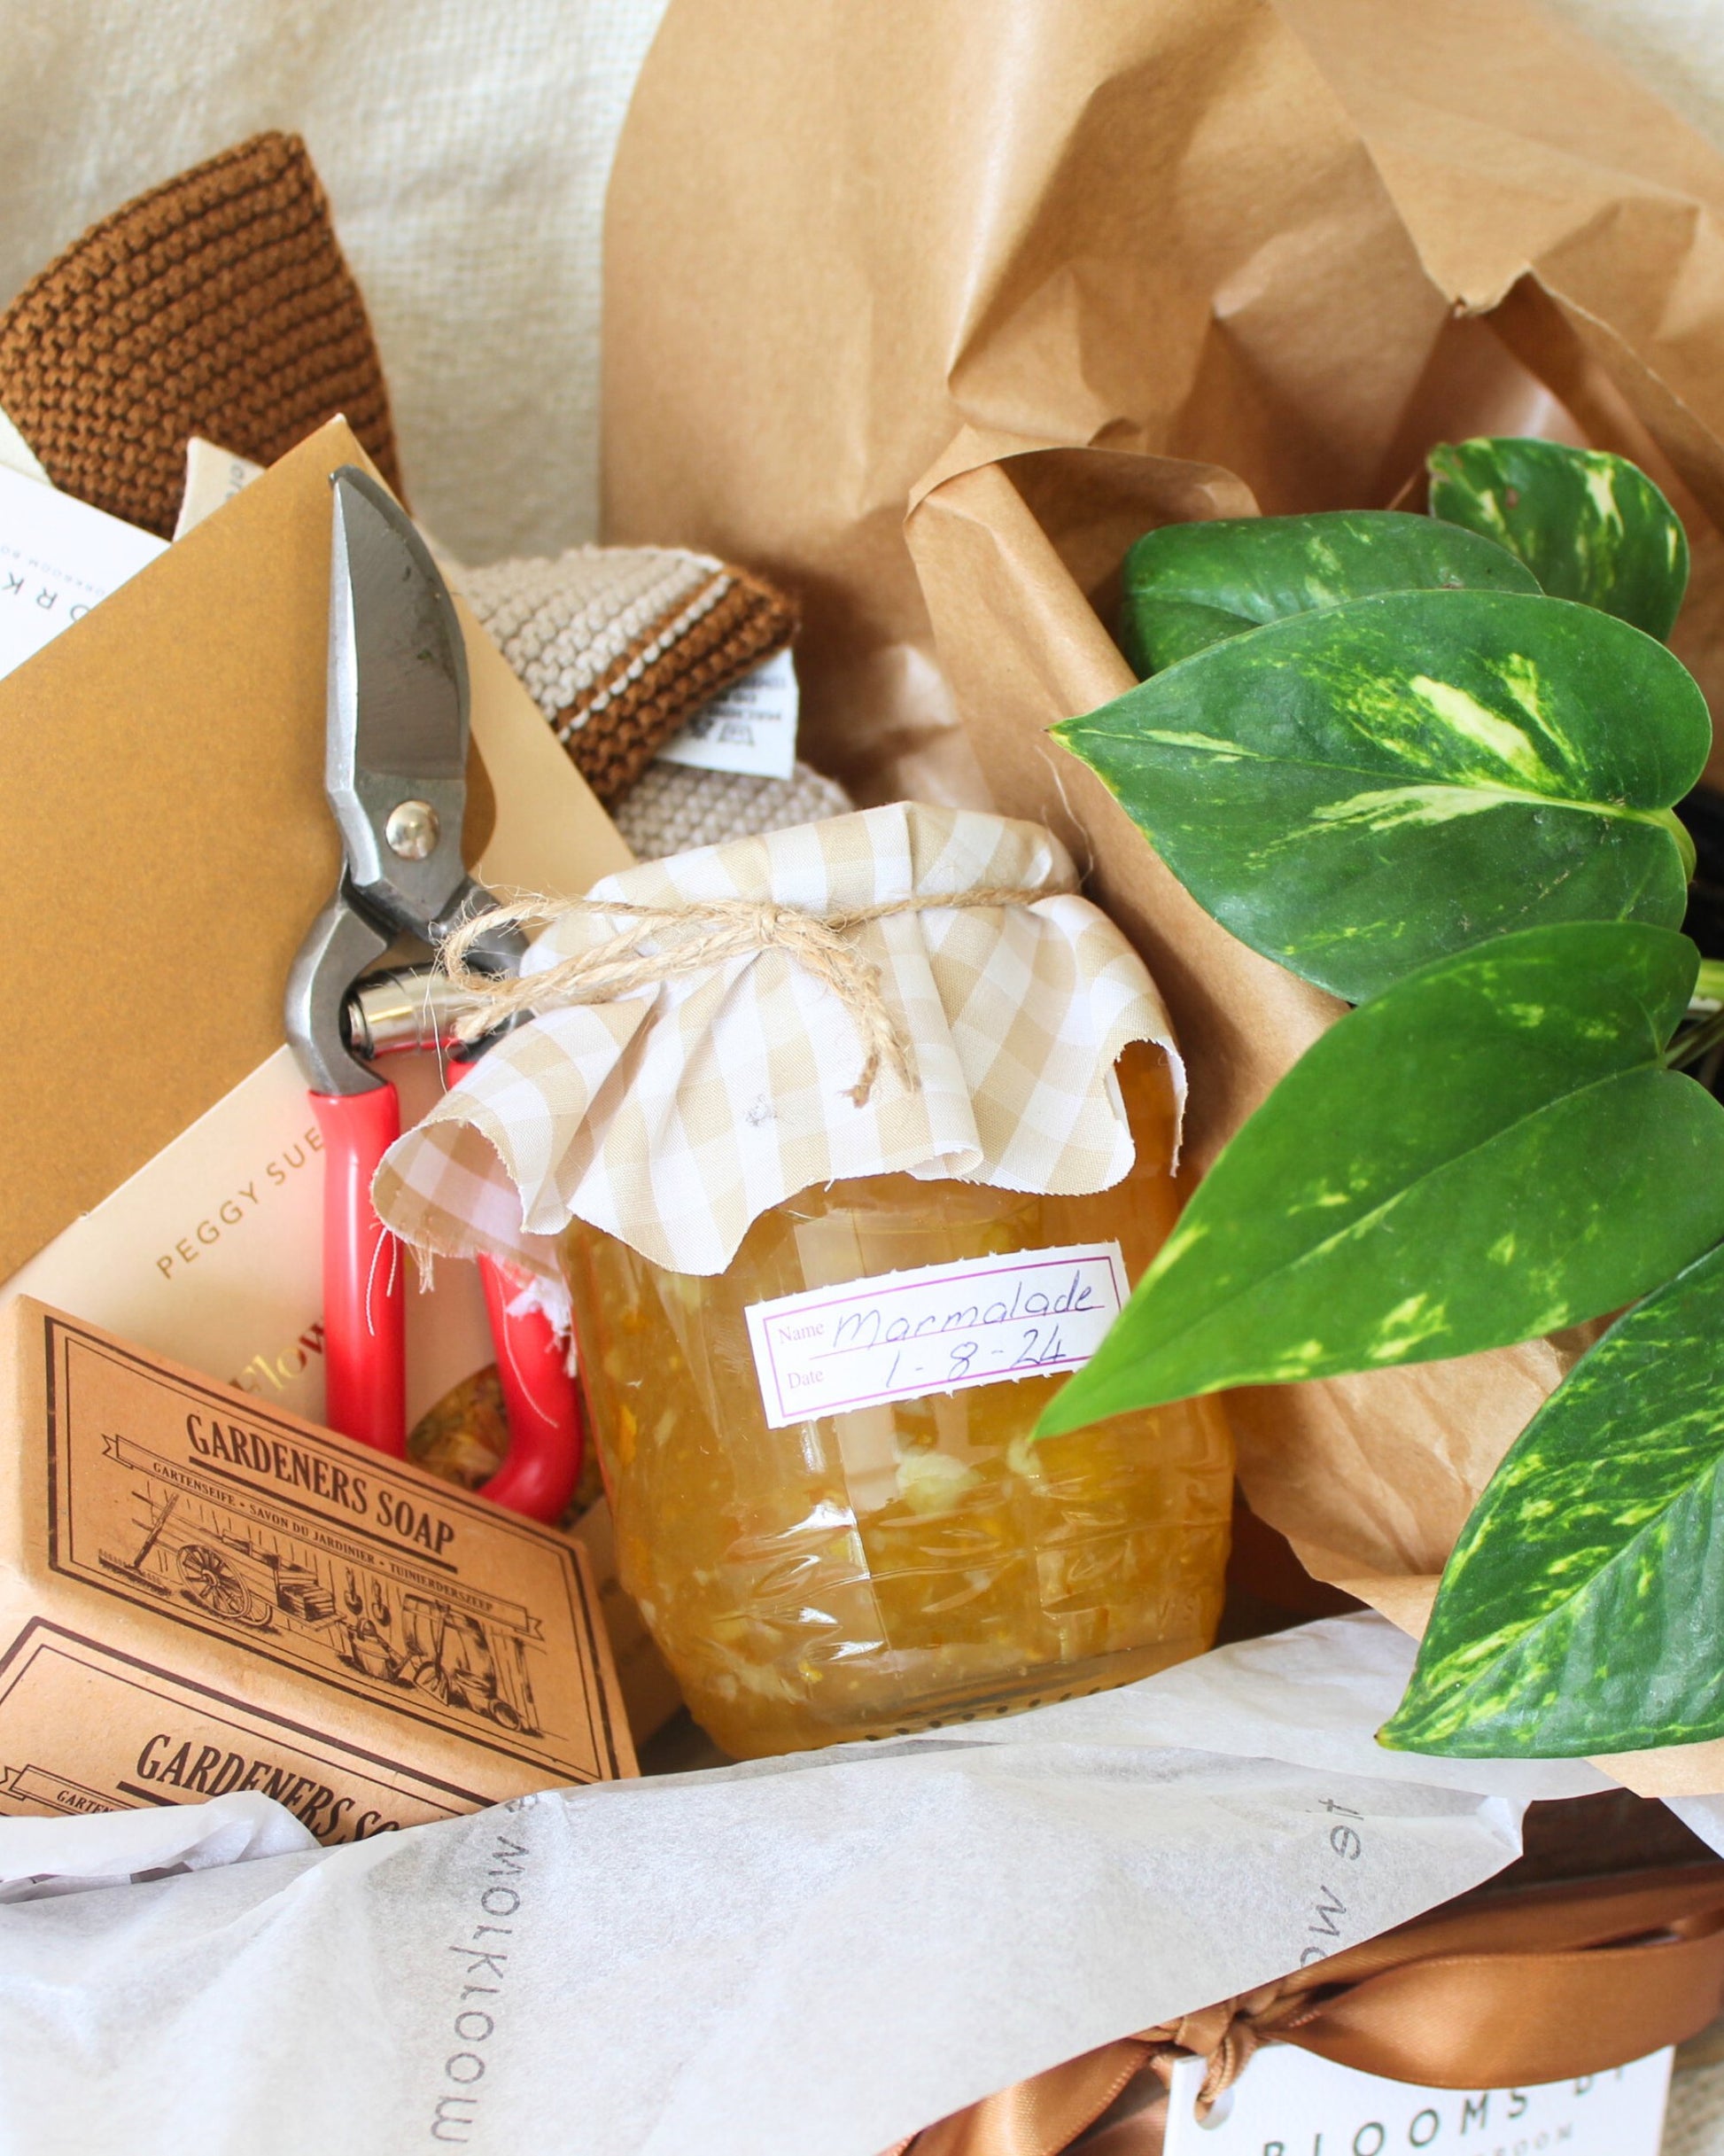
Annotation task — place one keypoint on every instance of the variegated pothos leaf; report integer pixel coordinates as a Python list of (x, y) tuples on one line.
[(1488, 1150), (1589, 526), (1355, 791), (1579, 1613), (1188, 586)]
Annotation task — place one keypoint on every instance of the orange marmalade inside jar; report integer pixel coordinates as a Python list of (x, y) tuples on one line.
[(893, 1566)]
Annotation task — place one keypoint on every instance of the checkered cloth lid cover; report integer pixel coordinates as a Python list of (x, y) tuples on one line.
[(673, 1119)]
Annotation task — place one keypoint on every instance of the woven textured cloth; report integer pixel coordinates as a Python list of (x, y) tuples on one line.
[(621, 646), (671, 809), (218, 304), (219, 307), (1693, 2125)]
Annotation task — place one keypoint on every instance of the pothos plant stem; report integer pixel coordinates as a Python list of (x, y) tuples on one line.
[(1703, 1038), (1697, 1042)]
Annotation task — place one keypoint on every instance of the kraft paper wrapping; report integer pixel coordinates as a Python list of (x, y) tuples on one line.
[(1036, 277)]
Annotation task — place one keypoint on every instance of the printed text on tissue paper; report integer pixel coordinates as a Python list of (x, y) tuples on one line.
[(483, 1976)]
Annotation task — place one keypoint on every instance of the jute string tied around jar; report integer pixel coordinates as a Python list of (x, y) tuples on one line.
[(698, 936), (688, 1062)]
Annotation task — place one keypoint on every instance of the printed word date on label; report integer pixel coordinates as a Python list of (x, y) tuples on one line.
[(902, 1335)]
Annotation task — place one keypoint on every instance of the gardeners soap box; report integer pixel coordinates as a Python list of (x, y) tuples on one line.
[(198, 1595)]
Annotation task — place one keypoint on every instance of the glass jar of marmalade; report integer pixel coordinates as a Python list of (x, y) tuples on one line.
[(849, 1569)]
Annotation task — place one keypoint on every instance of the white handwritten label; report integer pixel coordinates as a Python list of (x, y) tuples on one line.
[(901, 1336), (1292, 2103), (751, 727)]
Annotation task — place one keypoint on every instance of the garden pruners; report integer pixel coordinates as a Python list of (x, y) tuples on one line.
[(395, 772)]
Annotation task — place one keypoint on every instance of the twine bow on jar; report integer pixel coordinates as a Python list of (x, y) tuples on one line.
[(692, 1067), (695, 937)]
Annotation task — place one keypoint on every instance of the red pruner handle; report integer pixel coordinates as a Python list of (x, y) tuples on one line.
[(364, 1302), (538, 1476)]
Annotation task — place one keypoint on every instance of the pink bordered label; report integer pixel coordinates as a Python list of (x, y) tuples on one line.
[(902, 1335)]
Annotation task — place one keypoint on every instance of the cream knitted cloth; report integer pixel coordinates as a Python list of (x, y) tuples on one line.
[(621, 646), (566, 623), (671, 809)]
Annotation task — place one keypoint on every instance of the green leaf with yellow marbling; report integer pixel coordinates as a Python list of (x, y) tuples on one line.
[(1188, 586), (1355, 791), (1589, 526), (1488, 1150), (1579, 1613)]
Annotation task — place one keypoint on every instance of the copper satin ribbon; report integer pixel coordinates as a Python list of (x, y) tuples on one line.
[(1538, 1985)]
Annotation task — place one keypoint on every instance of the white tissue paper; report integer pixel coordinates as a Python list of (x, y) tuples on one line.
[(818, 1954), (40, 1858)]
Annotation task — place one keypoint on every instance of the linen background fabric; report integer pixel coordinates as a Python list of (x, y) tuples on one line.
[(465, 148)]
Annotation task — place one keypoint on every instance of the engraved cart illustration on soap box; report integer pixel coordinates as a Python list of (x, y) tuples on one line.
[(380, 1620)]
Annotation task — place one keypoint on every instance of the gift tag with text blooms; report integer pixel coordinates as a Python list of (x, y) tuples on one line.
[(1290, 2102)]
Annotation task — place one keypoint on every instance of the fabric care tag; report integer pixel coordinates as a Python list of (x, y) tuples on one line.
[(1292, 2103), (751, 727), (58, 558), (940, 1328)]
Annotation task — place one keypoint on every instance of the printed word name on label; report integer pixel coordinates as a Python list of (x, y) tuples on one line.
[(1292, 2103), (900, 1336)]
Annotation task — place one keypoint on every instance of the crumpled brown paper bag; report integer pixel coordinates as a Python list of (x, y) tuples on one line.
[(1041, 276)]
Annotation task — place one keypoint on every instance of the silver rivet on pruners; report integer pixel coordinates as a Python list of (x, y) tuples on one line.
[(412, 829)]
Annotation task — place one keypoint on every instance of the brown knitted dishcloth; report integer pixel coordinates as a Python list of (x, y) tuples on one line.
[(218, 304), (621, 646)]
